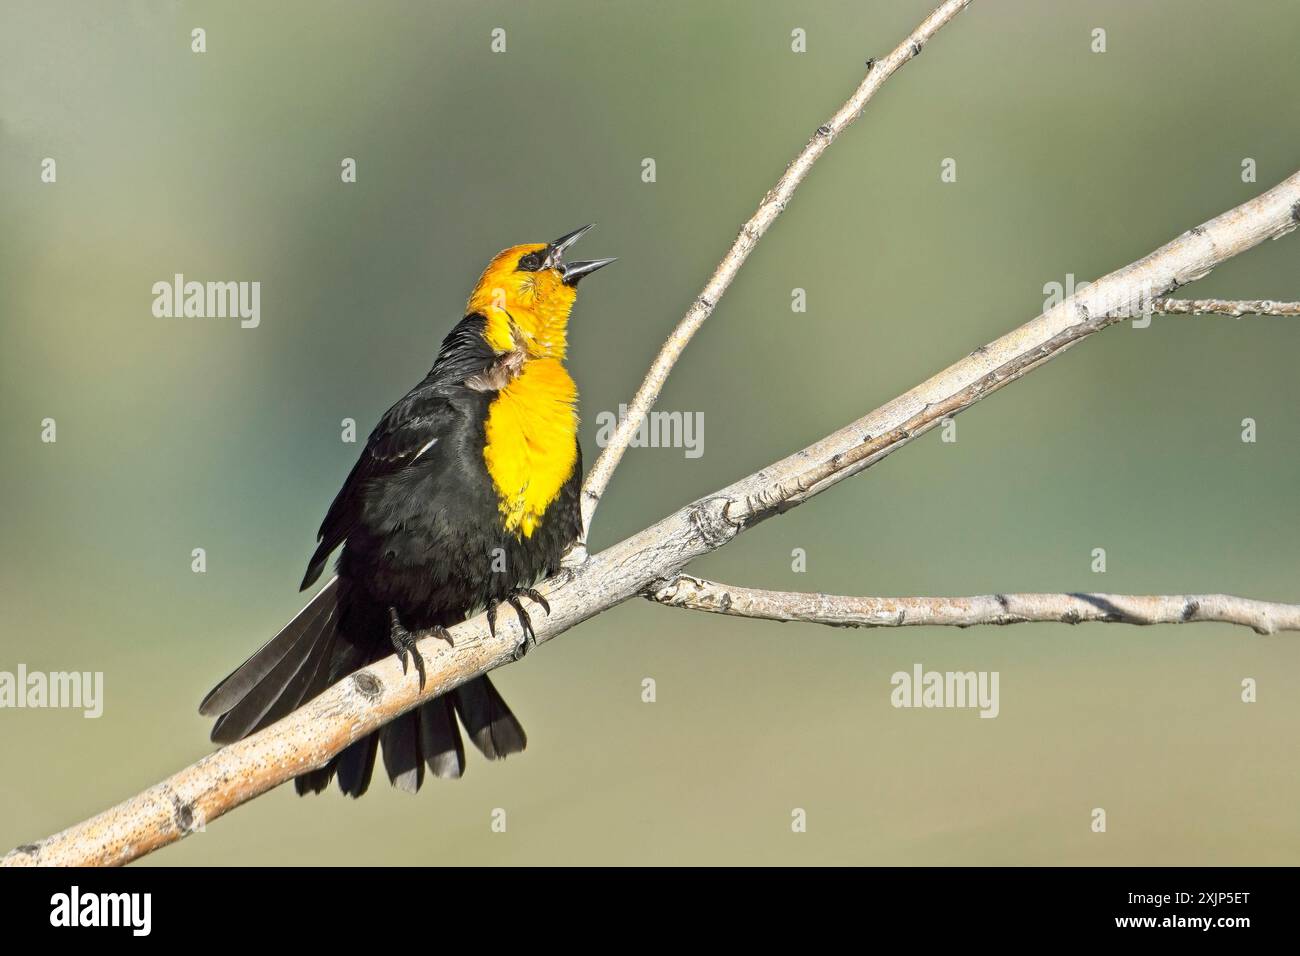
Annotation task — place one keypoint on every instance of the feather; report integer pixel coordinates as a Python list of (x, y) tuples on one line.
[(440, 739), (401, 742), (357, 764), (247, 676), (493, 729)]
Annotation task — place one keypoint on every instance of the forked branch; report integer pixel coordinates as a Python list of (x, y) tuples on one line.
[(369, 698), (374, 695), (772, 205)]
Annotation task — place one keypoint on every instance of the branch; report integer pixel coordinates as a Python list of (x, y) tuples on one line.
[(696, 594), (991, 367), (772, 205), (1234, 307), (369, 698)]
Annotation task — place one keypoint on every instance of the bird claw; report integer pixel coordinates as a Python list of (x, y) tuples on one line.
[(404, 643), (525, 621), (537, 598)]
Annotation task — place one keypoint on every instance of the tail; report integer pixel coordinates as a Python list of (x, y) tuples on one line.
[(291, 667), (427, 736), (308, 655)]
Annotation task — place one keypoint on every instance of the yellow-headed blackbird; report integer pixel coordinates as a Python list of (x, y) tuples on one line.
[(465, 496)]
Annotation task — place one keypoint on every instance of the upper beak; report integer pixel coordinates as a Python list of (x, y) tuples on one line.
[(559, 245), (571, 272)]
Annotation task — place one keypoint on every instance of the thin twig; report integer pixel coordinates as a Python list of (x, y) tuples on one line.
[(1234, 307), (772, 205), (373, 696), (686, 591)]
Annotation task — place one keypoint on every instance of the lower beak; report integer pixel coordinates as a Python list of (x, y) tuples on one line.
[(571, 272)]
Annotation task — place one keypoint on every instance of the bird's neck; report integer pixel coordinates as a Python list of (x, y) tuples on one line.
[(538, 333)]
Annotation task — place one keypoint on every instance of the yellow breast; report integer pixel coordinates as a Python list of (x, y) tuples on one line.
[(531, 447)]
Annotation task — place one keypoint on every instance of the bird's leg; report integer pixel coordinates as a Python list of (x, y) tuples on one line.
[(404, 642)]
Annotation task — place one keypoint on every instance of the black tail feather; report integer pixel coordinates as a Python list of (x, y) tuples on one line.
[(249, 674), (401, 742), (495, 731), (282, 688), (357, 764), (440, 739), (313, 678), (278, 693), (427, 736), (315, 781)]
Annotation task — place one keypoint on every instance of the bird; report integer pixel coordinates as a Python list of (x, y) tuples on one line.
[(465, 496)]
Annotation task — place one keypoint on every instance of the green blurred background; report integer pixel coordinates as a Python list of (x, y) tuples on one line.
[(175, 434)]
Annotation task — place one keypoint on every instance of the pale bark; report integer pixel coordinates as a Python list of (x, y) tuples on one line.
[(837, 610), (1233, 307)]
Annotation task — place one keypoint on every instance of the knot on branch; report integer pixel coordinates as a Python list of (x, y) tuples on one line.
[(770, 501), (683, 590), (368, 685), (710, 521), (183, 815), (674, 590)]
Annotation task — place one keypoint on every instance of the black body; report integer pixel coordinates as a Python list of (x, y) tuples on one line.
[(419, 522)]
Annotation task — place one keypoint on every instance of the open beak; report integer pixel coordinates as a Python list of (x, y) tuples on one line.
[(571, 272)]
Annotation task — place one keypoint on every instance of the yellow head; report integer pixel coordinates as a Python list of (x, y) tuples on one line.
[(526, 293)]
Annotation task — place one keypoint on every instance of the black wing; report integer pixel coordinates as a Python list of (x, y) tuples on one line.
[(408, 430)]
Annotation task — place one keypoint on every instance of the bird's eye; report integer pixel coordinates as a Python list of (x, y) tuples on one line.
[(530, 263)]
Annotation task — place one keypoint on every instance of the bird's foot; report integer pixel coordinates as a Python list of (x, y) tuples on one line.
[(525, 622), (404, 642)]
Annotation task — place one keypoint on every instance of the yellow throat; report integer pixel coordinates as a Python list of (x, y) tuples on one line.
[(532, 445)]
